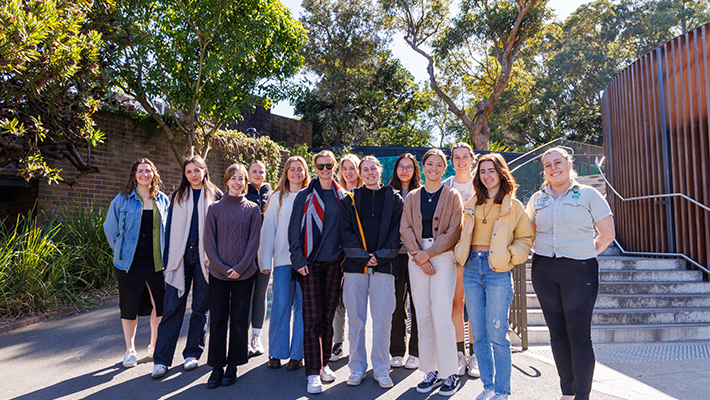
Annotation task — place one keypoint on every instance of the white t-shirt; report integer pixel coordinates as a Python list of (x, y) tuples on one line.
[(465, 189)]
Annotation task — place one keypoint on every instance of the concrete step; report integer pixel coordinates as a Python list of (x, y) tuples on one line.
[(647, 287), (651, 276), (618, 262), (638, 263), (654, 287), (641, 317), (628, 334), (639, 301), (667, 275)]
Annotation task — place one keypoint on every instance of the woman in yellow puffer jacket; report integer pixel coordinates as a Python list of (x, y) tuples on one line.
[(496, 235)]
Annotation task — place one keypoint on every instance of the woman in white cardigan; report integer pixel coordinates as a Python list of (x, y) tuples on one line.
[(274, 256), (185, 266)]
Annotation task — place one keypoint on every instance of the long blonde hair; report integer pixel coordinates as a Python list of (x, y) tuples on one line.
[(356, 163), (284, 185), (566, 155)]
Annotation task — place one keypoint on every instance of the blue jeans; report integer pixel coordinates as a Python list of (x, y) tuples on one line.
[(174, 311), (488, 295), (288, 300)]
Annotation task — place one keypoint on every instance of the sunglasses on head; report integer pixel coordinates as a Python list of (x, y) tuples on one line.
[(326, 166)]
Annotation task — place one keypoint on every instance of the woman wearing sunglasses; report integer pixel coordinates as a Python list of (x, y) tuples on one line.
[(314, 239)]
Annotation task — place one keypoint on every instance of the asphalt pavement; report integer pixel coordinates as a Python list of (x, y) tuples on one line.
[(79, 356)]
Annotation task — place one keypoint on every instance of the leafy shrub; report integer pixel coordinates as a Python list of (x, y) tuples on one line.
[(238, 147), (66, 262)]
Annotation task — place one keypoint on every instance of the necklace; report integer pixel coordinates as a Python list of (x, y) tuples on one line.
[(485, 214), (430, 196)]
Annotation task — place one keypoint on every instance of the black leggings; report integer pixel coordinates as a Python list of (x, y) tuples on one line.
[(567, 290)]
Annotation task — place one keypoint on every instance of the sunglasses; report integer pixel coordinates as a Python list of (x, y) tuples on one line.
[(320, 167)]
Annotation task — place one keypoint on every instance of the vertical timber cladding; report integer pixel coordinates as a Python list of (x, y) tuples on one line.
[(657, 141)]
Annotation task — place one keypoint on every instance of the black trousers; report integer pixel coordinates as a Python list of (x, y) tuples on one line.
[(567, 290), (229, 302), (402, 292)]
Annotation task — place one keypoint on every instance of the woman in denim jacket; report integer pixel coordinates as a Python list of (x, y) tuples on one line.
[(135, 230)]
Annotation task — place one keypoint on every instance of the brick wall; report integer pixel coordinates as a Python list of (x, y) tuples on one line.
[(279, 129), (125, 143)]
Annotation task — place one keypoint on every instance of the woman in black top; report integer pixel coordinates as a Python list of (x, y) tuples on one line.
[(258, 192), (369, 234), (186, 267)]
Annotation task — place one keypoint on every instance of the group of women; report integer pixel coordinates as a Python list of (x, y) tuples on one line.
[(342, 243)]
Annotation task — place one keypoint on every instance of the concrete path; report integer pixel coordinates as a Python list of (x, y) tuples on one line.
[(79, 356)]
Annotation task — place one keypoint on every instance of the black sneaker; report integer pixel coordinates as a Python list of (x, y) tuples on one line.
[(215, 378), (337, 352), (430, 382), (450, 386), (230, 376)]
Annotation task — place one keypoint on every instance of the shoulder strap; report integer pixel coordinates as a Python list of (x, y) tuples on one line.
[(359, 225)]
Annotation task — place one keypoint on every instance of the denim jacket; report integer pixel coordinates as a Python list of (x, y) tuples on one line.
[(123, 222)]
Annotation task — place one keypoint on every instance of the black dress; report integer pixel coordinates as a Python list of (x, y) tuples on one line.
[(134, 297)]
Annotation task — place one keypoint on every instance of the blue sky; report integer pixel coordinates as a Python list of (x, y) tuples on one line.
[(414, 62)]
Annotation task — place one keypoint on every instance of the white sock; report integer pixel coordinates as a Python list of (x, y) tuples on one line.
[(256, 332)]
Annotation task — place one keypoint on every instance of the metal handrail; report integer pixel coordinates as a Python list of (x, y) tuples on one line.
[(569, 150), (518, 312), (653, 196)]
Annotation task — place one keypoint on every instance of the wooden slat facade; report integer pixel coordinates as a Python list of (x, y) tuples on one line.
[(657, 141)]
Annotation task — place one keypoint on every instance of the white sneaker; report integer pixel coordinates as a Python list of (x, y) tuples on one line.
[(500, 396), (130, 359), (385, 382), (159, 371), (473, 371), (412, 363), (396, 362), (314, 385), (487, 394), (337, 352), (151, 351), (462, 364), (190, 363), (256, 346), (355, 378), (328, 375)]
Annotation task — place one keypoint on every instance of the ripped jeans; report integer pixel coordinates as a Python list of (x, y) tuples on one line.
[(488, 295)]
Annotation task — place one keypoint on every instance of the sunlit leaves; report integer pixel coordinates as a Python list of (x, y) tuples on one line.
[(51, 83)]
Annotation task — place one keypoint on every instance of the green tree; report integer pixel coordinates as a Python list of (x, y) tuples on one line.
[(582, 55), (484, 40), (362, 95), (51, 84), (654, 22), (207, 61)]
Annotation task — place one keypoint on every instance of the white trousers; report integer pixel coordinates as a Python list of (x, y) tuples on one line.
[(433, 297), (356, 290)]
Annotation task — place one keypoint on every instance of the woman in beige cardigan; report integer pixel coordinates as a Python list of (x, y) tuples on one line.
[(431, 226)]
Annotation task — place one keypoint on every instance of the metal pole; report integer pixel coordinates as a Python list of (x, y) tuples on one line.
[(665, 144)]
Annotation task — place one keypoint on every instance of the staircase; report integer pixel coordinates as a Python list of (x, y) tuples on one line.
[(640, 300), (595, 181)]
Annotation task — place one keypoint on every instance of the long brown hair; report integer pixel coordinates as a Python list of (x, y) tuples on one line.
[(507, 182), (414, 183), (284, 185), (210, 188), (155, 185)]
